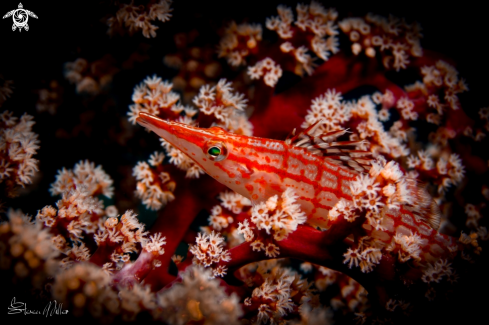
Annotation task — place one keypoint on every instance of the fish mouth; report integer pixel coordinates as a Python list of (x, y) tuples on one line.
[(162, 128), (178, 134), (150, 121)]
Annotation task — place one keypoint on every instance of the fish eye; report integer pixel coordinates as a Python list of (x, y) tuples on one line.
[(216, 151)]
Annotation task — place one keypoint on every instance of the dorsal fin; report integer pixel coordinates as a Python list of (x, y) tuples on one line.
[(424, 204), (434, 218), (324, 144)]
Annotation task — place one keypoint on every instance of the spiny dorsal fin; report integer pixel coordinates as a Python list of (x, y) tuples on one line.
[(341, 152), (424, 205), (434, 218)]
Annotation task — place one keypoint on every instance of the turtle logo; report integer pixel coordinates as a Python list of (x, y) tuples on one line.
[(20, 17)]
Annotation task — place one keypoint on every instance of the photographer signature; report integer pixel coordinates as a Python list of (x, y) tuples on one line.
[(52, 308)]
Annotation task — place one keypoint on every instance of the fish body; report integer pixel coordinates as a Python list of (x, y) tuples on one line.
[(259, 168)]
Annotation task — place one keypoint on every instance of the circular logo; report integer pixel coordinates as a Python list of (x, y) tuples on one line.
[(20, 18)]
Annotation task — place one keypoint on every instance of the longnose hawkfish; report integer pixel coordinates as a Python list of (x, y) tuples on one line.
[(327, 176)]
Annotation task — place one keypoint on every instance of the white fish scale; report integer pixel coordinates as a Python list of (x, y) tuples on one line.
[(328, 180)]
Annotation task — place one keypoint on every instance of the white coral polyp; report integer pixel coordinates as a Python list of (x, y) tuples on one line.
[(279, 218)]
